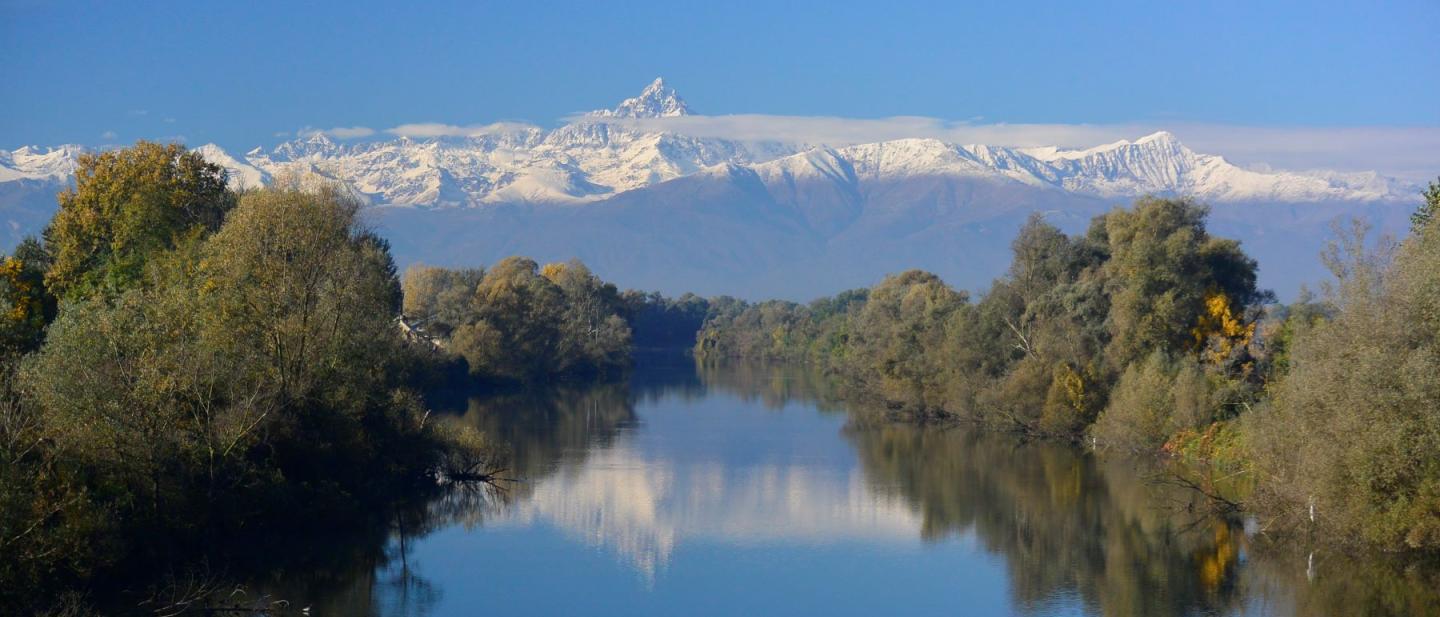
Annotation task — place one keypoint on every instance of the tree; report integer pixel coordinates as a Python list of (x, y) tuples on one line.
[(1354, 426), (127, 388), (301, 288), (518, 321), (1138, 418), (594, 336), (1162, 269), (128, 205), (900, 331), (26, 305), (517, 333), (440, 298), (1423, 216), (238, 375)]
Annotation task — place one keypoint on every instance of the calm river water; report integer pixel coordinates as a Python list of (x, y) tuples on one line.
[(747, 490)]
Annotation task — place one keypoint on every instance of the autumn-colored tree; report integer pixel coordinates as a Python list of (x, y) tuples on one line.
[(26, 305), (126, 206), (1162, 269)]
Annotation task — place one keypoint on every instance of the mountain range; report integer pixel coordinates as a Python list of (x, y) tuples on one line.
[(659, 209)]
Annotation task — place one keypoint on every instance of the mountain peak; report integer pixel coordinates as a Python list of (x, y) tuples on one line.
[(315, 143), (320, 138), (1164, 140), (657, 100), (1158, 136)]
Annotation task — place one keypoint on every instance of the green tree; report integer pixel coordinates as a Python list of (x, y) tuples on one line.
[(1353, 429), (300, 288), (127, 389), (1163, 267), (128, 205), (594, 336), (1139, 415), (440, 298), (517, 331), (1426, 213), (900, 333)]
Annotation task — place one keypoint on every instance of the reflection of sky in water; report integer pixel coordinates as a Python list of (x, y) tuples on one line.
[(708, 506), (642, 509), (700, 476), (726, 500)]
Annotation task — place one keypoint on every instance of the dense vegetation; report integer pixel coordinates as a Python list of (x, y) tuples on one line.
[(1354, 427), (1147, 334), (517, 322), (187, 369)]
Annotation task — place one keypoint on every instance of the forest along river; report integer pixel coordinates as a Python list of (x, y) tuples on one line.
[(746, 490)]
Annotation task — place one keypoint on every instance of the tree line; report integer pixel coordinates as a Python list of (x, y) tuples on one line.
[(518, 322), (1147, 334), (186, 370)]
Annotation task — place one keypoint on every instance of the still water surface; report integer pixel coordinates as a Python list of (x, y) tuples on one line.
[(747, 490)]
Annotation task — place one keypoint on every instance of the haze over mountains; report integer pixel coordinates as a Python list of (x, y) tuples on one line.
[(658, 209)]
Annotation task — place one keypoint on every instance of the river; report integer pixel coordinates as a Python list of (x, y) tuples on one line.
[(750, 490)]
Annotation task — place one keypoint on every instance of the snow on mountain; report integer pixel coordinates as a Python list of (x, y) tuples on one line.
[(914, 157), (31, 163), (591, 159), (594, 158), (583, 161), (656, 101), (658, 209), (1159, 163), (241, 175)]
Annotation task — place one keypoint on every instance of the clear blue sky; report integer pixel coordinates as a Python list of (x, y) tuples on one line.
[(239, 72)]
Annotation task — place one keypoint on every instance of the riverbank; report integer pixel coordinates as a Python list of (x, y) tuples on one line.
[(1146, 335)]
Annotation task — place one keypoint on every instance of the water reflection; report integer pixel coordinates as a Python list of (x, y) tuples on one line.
[(1067, 525), (641, 509), (607, 491), (713, 489)]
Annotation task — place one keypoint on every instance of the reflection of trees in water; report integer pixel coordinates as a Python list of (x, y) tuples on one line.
[(1068, 523), (665, 374), (1320, 583), (399, 589), (547, 429), (775, 385), (362, 566), (351, 567), (1064, 523)]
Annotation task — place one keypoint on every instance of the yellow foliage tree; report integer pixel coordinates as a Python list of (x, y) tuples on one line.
[(126, 206), (1219, 332)]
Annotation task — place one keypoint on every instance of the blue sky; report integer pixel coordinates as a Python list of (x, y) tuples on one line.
[(239, 73)]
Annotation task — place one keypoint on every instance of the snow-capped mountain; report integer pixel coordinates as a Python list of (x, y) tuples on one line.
[(30, 163), (595, 157), (1153, 164), (656, 101), (661, 209)]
